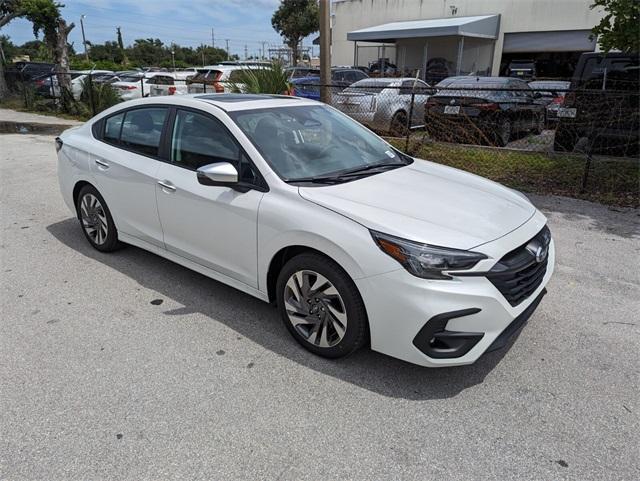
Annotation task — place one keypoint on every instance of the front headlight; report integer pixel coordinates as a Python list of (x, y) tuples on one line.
[(423, 260)]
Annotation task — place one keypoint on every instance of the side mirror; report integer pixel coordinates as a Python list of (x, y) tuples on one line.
[(220, 173)]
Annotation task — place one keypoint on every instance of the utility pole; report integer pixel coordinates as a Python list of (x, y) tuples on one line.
[(227, 42), (213, 39), (245, 51), (84, 40), (263, 44), (325, 50), (202, 51)]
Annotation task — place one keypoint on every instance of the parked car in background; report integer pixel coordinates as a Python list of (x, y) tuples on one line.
[(216, 78), (20, 72), (168, 83), (601, 114), (48, 85), (294, 203), (301, 72), (490, 110), (308, 87), (131, 86), (550, 94), (522, 69), (383, 104)]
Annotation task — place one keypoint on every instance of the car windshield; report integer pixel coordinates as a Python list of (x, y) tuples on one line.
[(313, 141)]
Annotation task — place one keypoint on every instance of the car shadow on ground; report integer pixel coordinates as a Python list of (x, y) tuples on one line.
[(260, 323)]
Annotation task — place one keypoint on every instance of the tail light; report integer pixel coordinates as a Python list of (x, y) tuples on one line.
[(127, 87), (172, 90), (490, 106), (291, 91), (558, 100), (39, 82), (217, 86)]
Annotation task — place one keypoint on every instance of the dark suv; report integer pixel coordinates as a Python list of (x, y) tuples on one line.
[(601, 114)]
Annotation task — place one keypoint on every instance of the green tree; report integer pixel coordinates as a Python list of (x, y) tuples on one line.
[(294, 20), (619, 29), (46, 19)]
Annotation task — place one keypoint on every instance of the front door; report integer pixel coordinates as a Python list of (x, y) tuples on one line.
[(215, 226)]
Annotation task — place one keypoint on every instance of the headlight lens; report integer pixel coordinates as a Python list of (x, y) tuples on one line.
[(423, 260)]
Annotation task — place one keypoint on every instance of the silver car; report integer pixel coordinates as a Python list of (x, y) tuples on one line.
[(383, 104)]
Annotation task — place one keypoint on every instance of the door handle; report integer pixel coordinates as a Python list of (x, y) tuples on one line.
[(165, 184), (101, 164)]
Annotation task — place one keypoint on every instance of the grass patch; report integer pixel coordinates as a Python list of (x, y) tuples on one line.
[(613, 181)]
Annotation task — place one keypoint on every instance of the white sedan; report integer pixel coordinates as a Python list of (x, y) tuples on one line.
[(293, 202)]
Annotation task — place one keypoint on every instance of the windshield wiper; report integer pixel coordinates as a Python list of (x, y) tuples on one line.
[(366, 168), (343, 177)]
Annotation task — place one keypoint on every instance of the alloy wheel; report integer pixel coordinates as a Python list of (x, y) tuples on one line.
[(315, 308), (94, 219)]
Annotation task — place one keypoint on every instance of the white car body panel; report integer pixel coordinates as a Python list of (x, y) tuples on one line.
[(233, 237)]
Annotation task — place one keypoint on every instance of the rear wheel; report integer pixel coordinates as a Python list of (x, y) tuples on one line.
[(399, 124), (96, 221), (321, 306)]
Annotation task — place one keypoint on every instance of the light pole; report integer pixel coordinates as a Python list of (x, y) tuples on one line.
[(173, 58), (84, 40)]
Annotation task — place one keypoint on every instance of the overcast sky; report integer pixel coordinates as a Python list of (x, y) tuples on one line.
[(184, 22)]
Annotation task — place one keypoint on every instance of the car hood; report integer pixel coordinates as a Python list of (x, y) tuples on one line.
[(429, 203)]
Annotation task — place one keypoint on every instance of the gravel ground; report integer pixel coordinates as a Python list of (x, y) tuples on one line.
[(127, 367)]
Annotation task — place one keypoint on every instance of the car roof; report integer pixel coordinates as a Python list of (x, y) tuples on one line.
[(236, 102)]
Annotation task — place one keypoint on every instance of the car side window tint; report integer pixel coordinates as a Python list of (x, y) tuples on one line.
[(142, 129), (199, 140), (112, 128)]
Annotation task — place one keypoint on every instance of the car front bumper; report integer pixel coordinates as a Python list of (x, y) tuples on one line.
[(406, 313)]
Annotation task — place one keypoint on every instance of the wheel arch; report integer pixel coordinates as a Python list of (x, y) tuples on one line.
[(287, 252), (76, 192)]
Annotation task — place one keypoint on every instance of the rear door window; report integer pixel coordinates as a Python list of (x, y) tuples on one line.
[(112, 128), (142, 129)]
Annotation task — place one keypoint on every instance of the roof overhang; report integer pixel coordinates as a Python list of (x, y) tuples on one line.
[(483, 26)]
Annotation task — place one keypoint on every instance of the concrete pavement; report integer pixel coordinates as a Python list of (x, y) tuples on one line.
[(125, 366)]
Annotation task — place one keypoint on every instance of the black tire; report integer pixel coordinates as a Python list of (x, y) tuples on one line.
[(565, 139), (399, 124), (109, 242), (356, 330)]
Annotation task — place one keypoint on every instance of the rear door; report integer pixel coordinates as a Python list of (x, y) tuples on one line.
[(125, 164)]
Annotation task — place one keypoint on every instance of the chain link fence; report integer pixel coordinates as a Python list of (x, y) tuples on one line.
[(546, 138), (549, 138)]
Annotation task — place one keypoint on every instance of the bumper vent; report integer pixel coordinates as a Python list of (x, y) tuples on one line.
[(520, 272)]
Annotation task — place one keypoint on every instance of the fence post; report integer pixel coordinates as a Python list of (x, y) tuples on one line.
[(406, 143), (204, 85), (52, 90), (142, 86), (91, 99), (24, 88)]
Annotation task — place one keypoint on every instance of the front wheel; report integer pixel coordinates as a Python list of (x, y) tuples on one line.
[(320, 306)]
